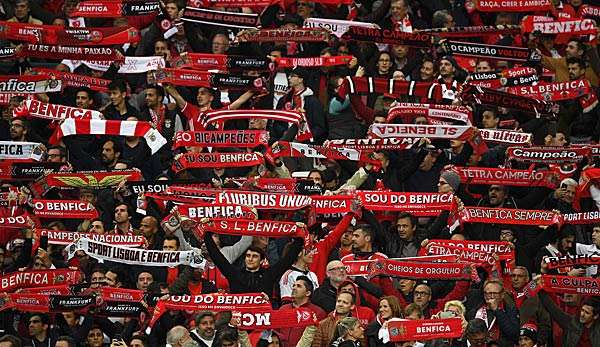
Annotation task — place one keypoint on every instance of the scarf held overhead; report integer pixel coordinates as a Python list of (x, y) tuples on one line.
[(216, 160)]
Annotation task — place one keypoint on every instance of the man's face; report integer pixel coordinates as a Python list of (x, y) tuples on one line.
[(443, 186), (299, 290), (171, 9), (422, 295), (252, 260), (136, 343), (359, 239), (566, 243), (152, 98), (220, 44), (111, 279), (384, 63), (147, 227), (257, 124), (573, 50), (491, 292), (483, 66), (586, 314), (576, 71), (428, 161), (304, 9), (97, 227), (426, 71), (478, 339), (108, 153), (206, 328), (398, 10), (316, 178), (21, 10), (405, 229), (400, 51), (569, 194), (54, 156), (337, 271), (507, 235), (343, 304), (489, 120), (294, 80), (161, 49), (17, 130), (121, 214), (204, 97), (83, 100), (406, 285), (379, 120), (97, 279), (446, 68), (525, 341), (169, 245), (496, 195), (116, 97), (36, 326), (144, 280), (596, 236), (519, 278), (346, 239)]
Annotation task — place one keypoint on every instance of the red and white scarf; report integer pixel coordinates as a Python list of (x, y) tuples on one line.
[(38, 109)]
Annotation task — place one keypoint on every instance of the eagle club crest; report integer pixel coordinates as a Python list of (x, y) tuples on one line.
[(398, 331)]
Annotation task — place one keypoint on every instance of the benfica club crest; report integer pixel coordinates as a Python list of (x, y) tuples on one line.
[(398, 331)]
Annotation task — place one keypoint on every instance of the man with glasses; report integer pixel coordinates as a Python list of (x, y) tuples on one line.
[(38, 325), (179, 336), (325, 295), (500, 316), (476, 333), (19, 128)]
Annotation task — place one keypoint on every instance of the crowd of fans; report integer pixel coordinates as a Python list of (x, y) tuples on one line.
[(352, 309)]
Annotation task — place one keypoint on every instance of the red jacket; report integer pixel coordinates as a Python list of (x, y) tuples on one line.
[(291, 336), (326, 245)]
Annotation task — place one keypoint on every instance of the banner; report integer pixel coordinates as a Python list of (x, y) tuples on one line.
[(222, 62), (434, 113), (504, 250), (29, 84), (418, 204), (506, 177), (222, 138), (388, 36), (419, 270), (336, 26), (195, 78), (491, 97), (506, 136), (572, 260), (62, 237), (220, 18), (550, 26), (131, 65), (216, 160), (37, 278), (424, 329), (548, 155), (64, 209), (115, 8), (514, 5), (57, 35), (71, 126), (571, 285), (20, 150), (135, 256), (38, 109), (495, 52), (589, 11)]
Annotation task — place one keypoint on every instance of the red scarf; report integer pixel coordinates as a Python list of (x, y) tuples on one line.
[(396, 37), (514, 6), (64, 209), (409, 111), (571, 285), (115, 8), (222, 138), (424, 329), (37, 278), (222, 62), (216, 160), (197, 211), (556, 91), (62, 237), (548, 25), (420, 270), (313, 61), (419, 204), (283, 35), (506, 136), (491, 215), (263, 200), (548, 155), (572, 260), (38, 109), (374, 144), (507, 177), (75, 80), (68, 52)]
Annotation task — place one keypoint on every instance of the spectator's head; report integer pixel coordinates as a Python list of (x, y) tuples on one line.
[(305, 8), (56, 154), (528, 335), (380, 118), (558, 139), (567, 188), (519, 277), (22, 10), (170, 243), (497, 194), (336, 271), (389, 307), (400, 51), (406, 225), (302, 289), (10, 341), (227, 338), (493, 292), (575, 49), (316, 176), (422, 295), (180, 336), (139, 341), (84, 98), (477, 332), (346, 240), (384, 63), (161, 49), (455, 307), (254, 256), (97, 226), (154, 96), (590, 310), (576, 67), (148, 226), (344, 303), (442, 19), (447, 67), (428, 70), (117, 90), (220, 44), (297, 78), (449, 182), (205, 325), (362, 238), (205, 97), (38, 326), (111, 152), (122, 214), (65, 341), (413, 312), (97, 278), (144, 279), (398, 10), (256, 123), (566, 238), (490, 119), (19, 128), (406, 285), (349, 328), (172, 8), (383, 157), (114, 277), (596, 235), (483, 66)]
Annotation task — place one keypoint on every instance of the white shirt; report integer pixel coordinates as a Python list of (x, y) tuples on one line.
[(584, 249)]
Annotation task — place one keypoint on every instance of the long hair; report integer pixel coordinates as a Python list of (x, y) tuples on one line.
[(394, 305)]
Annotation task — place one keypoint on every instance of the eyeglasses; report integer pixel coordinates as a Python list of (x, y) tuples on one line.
[(16, 125), (340, 268), (492, 293), (38, 264), (422, 294), (35, 321), (384, 60), (441, 183)]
